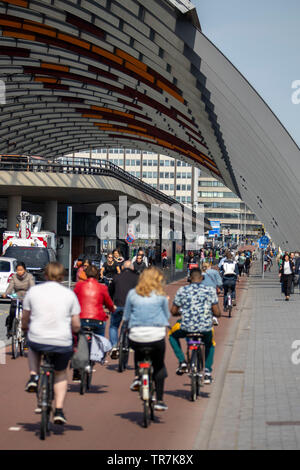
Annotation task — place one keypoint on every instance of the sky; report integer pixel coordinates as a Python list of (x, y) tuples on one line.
[(262, 39)]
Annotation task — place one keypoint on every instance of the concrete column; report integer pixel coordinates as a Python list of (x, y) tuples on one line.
[(14, 207), (50, 218)]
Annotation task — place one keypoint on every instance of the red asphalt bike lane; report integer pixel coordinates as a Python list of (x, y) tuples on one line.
[(109, 416)]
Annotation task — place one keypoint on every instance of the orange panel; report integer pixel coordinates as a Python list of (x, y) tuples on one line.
[(20, 3), (104, 126), (99, 108), (170, 91), (14, 24), (131, 59), (94, 116), (45, 79), (17, 35), (62, 68), (140, 72), (106, 54), (137, 128), (39, 29), (73, 40)]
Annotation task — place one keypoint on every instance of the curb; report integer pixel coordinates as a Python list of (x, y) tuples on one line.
[(203, 437)]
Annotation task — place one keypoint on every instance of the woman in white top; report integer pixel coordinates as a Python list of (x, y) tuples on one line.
[(286, 275), (50, 314)]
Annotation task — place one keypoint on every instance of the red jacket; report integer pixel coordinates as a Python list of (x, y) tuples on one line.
[(92, 296)]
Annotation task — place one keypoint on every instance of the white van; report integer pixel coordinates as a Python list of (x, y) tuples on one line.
[(7, 269)]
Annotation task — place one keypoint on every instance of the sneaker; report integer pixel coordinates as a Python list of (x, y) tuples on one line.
[(215, 321), (59, 417), (182, 368), (32, 384), (234, 302), (135, 386), (208, 378), (114, 354), (160, 406)]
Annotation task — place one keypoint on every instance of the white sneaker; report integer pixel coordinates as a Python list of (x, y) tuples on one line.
[(135, 386), (215, 321)]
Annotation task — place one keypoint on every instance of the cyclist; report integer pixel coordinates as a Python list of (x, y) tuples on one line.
[(197, 304), (20, 283), (144, 257), (230, 272), (139, 265), (110, 267), (118, 290), (81, 272), (118, 258), (92, 297), (147, 313), (50, 314)]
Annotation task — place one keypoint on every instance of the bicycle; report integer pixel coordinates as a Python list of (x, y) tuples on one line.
[(45, 393), (228, 304), (18, 337), (196, 362), (145, 373), (123, 348), (86, 374)]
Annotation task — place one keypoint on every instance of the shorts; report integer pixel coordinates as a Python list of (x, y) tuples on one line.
[(61, 357)]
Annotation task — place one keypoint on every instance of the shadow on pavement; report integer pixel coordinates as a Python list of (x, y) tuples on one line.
[(136, 417), (74, 388), (54, 428)]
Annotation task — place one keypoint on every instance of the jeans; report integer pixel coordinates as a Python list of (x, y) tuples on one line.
[(115, 321), (229, 283), (97, 328)]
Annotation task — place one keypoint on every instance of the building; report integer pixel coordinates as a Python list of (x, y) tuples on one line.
[(187, 185)]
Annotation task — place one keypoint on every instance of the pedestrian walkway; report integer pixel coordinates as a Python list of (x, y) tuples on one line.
[(255, 403)]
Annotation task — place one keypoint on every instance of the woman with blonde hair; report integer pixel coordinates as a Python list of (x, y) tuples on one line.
[(147, 313)]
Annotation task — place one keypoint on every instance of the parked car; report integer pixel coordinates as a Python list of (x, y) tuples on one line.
[(7, 269), (35, 259)]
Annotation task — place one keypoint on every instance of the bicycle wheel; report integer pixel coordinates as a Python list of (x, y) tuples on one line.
[(14, 339), (146, 413), (43, 399), (194, 376), (123, 352), (83, 382), (89, 376)]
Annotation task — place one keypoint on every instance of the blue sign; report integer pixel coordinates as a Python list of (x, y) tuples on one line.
[(263, 241), (216, 228)]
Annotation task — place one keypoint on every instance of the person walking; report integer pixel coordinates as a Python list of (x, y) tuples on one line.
[(147, 313), (286, 274), (50, 314)]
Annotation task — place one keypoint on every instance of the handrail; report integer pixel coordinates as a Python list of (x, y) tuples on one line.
[(97, 167)]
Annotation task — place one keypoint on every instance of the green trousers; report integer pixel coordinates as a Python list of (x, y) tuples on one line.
[(175, 337)]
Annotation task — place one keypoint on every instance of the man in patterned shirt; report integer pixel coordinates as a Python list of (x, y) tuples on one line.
[(197, 304)]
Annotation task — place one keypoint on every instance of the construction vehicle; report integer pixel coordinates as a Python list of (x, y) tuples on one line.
[(29, 234)]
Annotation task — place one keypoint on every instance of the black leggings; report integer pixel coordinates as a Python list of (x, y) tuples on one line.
[(157, 356)]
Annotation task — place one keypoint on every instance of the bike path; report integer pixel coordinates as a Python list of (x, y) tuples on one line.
[(258, 406), (110, 415)]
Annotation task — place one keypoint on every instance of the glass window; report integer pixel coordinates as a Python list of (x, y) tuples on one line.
[(161, 174), (144, 174), (161, 187), (167, 162), (172, 163), (138, 162), (171, 187), (167, 175), (183, 187), (149, 173), (178, 187), (154, 174), (179, 162), (162, 163), (166, 187), (150, 163)]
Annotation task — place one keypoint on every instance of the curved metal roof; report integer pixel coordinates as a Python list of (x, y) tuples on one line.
[(92, 73)]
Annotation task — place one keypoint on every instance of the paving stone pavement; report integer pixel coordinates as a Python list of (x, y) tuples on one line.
[(257, 394)]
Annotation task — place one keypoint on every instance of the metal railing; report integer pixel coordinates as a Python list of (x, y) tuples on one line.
[(95, 168)]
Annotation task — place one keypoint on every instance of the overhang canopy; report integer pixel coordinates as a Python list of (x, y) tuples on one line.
[(101, 73)]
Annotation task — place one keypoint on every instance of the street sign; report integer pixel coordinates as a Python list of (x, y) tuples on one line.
[(216, 228)]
